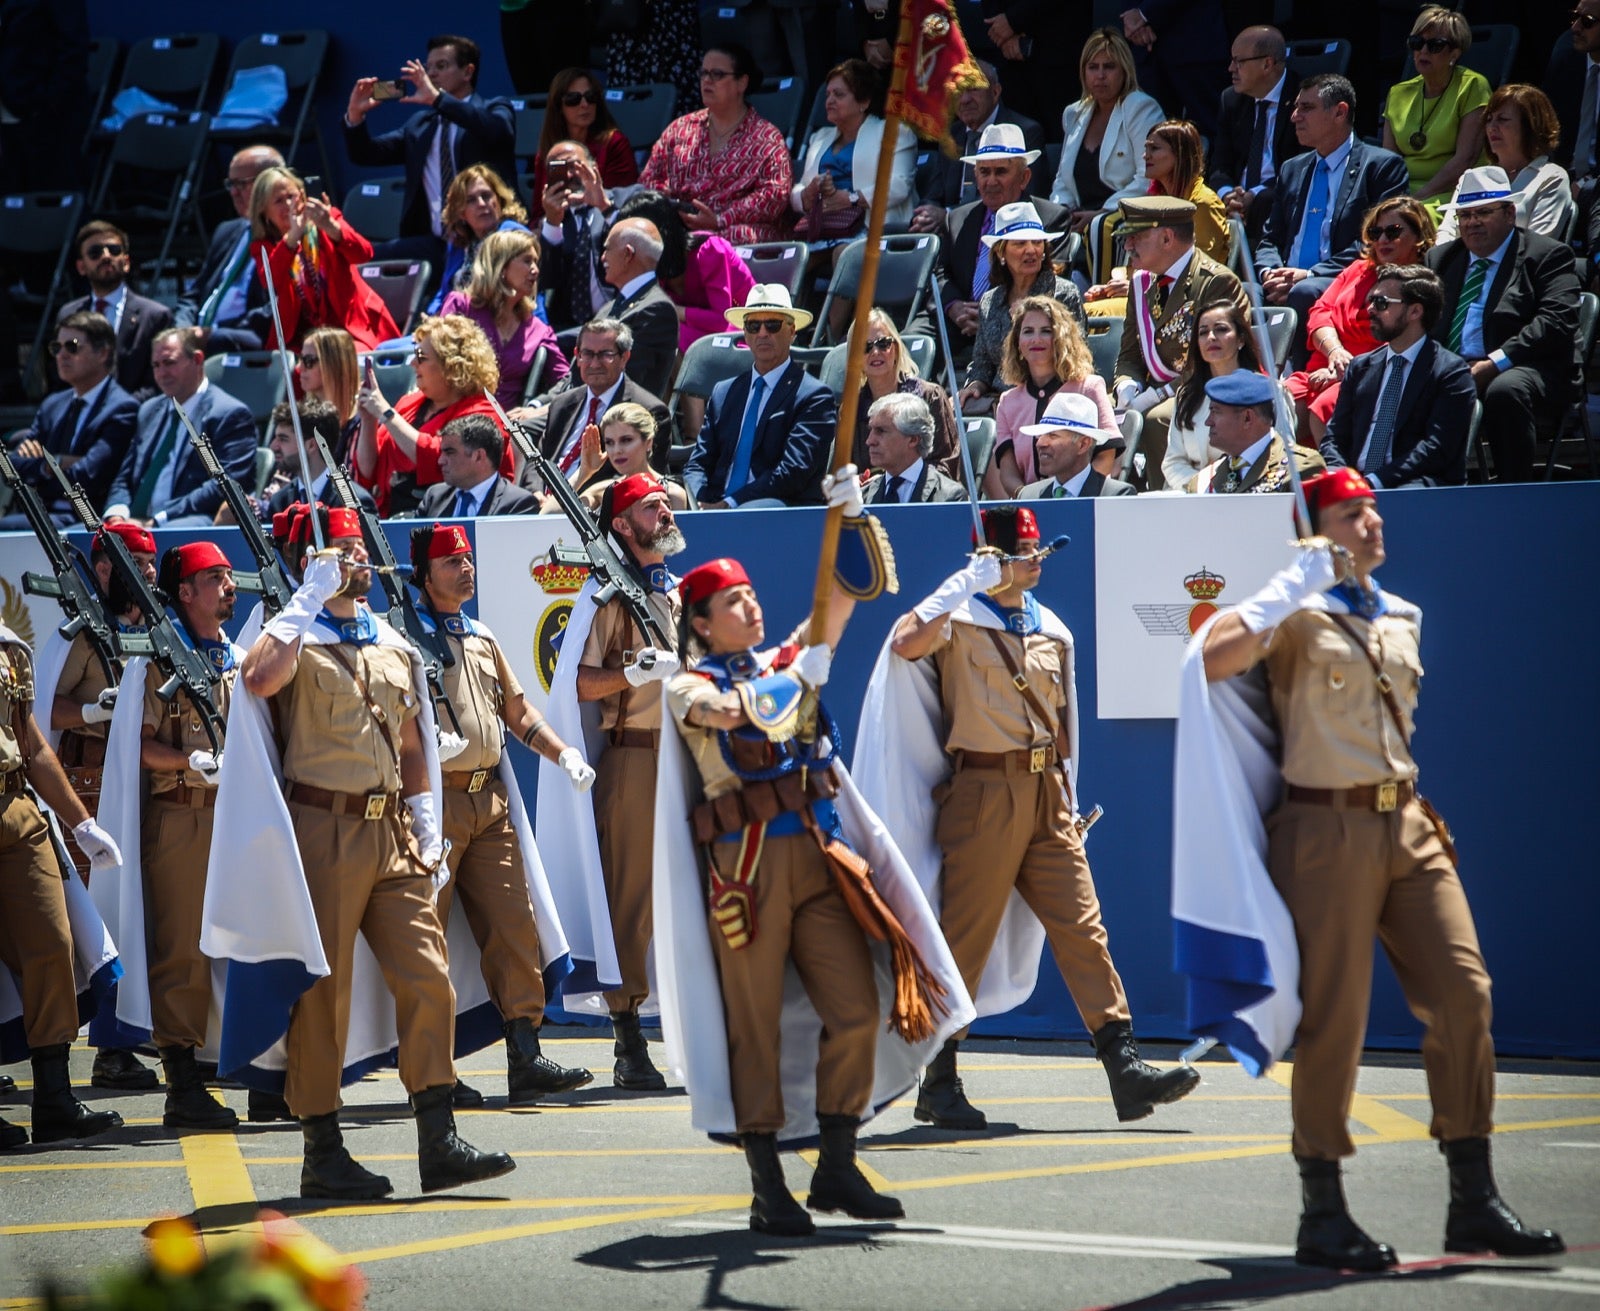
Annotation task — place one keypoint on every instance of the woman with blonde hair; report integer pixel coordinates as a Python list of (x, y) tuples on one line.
[(619, 445), (1102, 153), (1434, 121), (499, 298), (1045, 352), (479, 202), (397, 446), (328, 369), (888, 367)]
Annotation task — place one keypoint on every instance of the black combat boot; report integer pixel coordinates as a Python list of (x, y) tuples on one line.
[(530, 1074), (443, 1159), (328, 1170), (266, 1107), (1479, 1219), (57, 1114), (12, 1135), (941, 1101), (1328, 1236), (189, 1105), (7, 1084), (116, 1067), (633, 1069), (464, 1097), (773, 1209), (838, 1184), (1137, 1088)]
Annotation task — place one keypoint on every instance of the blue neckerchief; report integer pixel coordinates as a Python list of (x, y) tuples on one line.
[(1024, 620), (1367, 604), (739, 667), (660, 578), (457, 624), (361, 630), (129, 628), (219, 655)]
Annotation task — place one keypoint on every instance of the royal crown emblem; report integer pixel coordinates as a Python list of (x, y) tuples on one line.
[(1204, 585), (1176, 620), (558, 579)]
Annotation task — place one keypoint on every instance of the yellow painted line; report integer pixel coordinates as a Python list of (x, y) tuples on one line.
[(1584, 1122), (1367, 1109), (74, 1226), (702, 1201), (1091, 1167), (1503, 1097), (217, 1178), (54, 1167)]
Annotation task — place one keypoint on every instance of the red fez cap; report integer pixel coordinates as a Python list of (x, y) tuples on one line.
[(135, 537), (339, 522), (448, 539), (283, 522), (193, 557), (343, 523), (1336, 485), (628, 492), (997, 523), (710, 578)]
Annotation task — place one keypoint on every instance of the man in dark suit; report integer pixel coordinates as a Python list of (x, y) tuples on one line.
[(470, 450), (571, 237), (629, 257), (1313, 230), (767, 433), (602, 355), (1067, 438), (1255, 136), (900, 431), (1179, 52), (1572, 77), (947, 182), (1404, 409), (161, 482), (317, 418), (87, 427), (456, 127), (1510, 311), (226, 299), (104, 258)]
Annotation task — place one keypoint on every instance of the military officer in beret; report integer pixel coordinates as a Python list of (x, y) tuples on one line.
[(1254, 454)]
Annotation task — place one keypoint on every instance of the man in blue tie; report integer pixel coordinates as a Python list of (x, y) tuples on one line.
[(470, 450), (766, 435)]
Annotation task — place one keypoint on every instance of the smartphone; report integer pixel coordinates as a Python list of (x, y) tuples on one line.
[(559, 173), (389, 90)]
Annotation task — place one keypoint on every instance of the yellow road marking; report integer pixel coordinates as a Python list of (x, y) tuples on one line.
[(217, 1178), (1091, 1167), (74, 1226), (1367, 1109), (54, 1166)]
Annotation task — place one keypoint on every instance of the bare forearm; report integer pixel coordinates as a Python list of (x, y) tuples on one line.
[(65, 713), (595, 684), (159, 756), (269, 665), (532, 729), (49, 780), (413, 761), (915, 637), (1231, 649)]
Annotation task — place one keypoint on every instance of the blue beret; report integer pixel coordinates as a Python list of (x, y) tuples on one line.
[(1241, 387)]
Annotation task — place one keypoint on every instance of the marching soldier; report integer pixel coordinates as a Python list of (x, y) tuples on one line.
[(490, 872)]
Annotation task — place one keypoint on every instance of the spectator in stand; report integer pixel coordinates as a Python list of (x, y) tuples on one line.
[(1220, 344), (1181, 49), (499, 298), (663, 46), (1102, 152), (727, 164), (317, 419), (313, 255), (1045, 352), (630, 257), (225, 300), (1254, 133), (577, 211), (397, 446), (471, 452), (949, 182), (1034, 41), (1019, 269), (1520, 131), (841, 159), (87, 427), (888, 369), (454, 127), (1570, 81), (621, 444), (1434, 121), (1066, 440), (1398, 231), (901, 430), (576, 111), (104, 257), (479, 202), (328, 371)]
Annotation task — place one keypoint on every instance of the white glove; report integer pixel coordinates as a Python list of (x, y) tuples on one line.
[(100, 710), (1124, 392), (1148, 399), (451, 745), (650, 665), (98, 846), (842, 491), (324, 577), (981, 573), (813, 665), (1313, 571), (206, 764), (425, 829), (577, 768)]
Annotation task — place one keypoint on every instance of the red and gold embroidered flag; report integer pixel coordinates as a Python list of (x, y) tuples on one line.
[(937, 68)]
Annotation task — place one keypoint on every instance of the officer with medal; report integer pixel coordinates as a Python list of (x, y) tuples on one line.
[(485, 859), (1356, 854), (1003, 812)]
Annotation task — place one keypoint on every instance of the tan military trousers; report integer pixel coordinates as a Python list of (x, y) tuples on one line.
[(175, 843), (624, 821), (1001, 830), (361, 883), (800, 916), (486, 877), (1348, 877), (35, 937)]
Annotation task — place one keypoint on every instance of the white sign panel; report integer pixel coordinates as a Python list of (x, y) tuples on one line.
[(523, 597), (1163, 565)]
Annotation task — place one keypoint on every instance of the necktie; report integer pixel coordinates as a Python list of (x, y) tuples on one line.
[(575, 452), (1258, 145), (61, 441), (1058, 491), (579, 242), (739, 470), (1162, 284), (139, 508), (466, 505), (980, 272), (891, 490), (208, 311), (447, 157), (1583, 144), (1235, 473), (1383, 425), (1310, 251), (1470, 290), (102, 307)]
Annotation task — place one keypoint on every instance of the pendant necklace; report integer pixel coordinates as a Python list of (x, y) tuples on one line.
[(1419, 138)]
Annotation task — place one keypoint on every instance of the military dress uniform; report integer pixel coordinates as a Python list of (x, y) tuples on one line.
[(1269, 472)]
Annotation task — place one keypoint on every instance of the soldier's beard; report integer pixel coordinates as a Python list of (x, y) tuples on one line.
[(669, 541), (358, 584)]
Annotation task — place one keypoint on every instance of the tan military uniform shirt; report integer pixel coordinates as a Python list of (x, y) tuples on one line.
[(479, 684), (983, 710), (1337, 732), (330, 738), (16, 693), (185, 731), (82, 680), (613, 639)]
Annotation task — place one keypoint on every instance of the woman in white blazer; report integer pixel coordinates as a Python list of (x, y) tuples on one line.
[(1102, 153), (841, 160)]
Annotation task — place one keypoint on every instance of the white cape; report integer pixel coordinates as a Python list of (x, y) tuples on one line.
[(692, 1022), (900, 760)]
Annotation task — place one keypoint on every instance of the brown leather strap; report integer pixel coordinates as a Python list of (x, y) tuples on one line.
[(759, 803), (185, 794), (1385, 684), (1381, 797), (1019, 680), (363, 805), (380, 716), (13, 782), (1028, 760), (468, 780), (644, 738)]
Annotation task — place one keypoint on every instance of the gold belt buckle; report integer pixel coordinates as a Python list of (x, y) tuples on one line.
[(377, 803), (478, 779), (1388, 797), (1038, 760)]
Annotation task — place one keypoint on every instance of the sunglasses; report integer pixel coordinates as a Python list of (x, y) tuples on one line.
[(1585, 21), (1390, 232), (572, 98), (309, 361), (102, 248), (1248, 59), (765, 325), (1432, 44), (1378, 301), (72, 346), (879, 344)]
